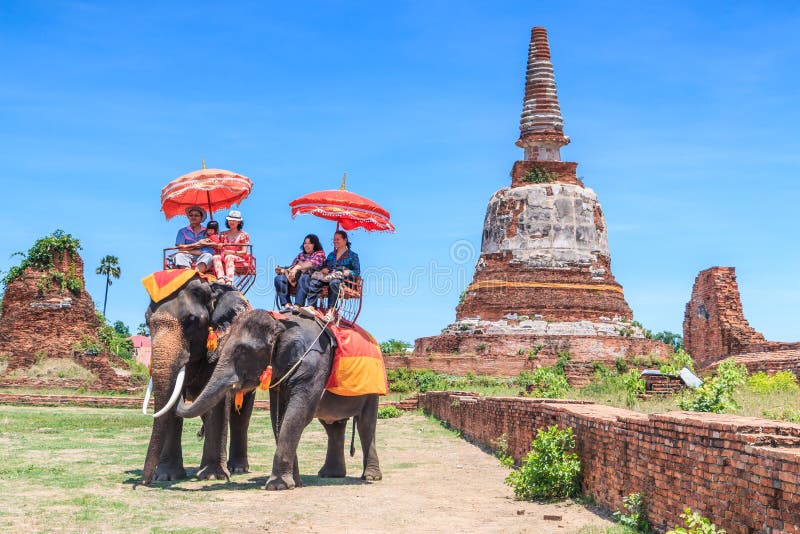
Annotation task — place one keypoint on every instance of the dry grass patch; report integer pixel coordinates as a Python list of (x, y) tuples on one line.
[(55, 368)]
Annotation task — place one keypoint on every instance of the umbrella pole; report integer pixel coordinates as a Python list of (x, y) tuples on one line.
[(208, 197)]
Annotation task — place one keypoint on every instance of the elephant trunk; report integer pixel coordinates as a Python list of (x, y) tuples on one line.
[(222, 381)]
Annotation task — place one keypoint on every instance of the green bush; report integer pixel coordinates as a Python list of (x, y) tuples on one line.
[(634, 384), (781, 382), (139, 373), (561, 363), (539, 175), (636, 518), (551, 470), (389, 412), (501, 451), (41, 255), (789, 415), (403, 380), (695, 524), (677, 361), (546, 382), (716, 393)]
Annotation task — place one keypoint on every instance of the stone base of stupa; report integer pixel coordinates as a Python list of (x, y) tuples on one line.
[(509, 346)]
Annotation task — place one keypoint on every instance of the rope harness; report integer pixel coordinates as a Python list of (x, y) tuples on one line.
[(266, 376)]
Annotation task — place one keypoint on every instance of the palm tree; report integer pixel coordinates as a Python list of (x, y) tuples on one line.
[(109, 266)]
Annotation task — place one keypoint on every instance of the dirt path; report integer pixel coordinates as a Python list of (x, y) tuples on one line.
[(433, 482)]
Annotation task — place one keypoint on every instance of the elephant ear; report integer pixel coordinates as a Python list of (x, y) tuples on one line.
[(226, 304)]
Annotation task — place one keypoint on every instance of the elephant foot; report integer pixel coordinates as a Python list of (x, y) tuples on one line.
[(167, 472), (372, 473), (238, 466), (214, 472), (338, 471), (280, 483)]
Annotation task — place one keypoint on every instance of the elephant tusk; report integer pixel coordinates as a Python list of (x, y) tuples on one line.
[(147, 396), (175, 394)]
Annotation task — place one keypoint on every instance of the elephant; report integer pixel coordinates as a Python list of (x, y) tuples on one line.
[(182, 364), (298, 393)]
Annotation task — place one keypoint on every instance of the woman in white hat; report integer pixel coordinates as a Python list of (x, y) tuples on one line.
[(234, 248)]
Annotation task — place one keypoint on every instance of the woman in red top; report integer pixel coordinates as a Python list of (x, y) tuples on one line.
[(233, 249)]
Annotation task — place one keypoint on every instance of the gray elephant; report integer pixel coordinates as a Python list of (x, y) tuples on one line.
[(181, 365), (257, 338)]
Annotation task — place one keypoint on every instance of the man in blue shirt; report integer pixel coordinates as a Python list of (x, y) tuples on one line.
[(190, 240)]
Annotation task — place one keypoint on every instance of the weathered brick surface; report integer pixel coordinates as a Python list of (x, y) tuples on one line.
[(743, 473), (48, 320), (36, 320), (769, 362), (714, 326), (661, 385)]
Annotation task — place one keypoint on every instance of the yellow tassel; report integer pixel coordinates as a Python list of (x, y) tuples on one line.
[(265, 378), (213, 339), (238, 400)]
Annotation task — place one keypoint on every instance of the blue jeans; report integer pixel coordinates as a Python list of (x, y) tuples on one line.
[(315, 287), (282, 289)]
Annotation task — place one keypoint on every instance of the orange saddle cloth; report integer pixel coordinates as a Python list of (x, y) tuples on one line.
[(357, 364)]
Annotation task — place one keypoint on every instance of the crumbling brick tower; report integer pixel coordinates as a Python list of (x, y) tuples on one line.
[(543, 283), (545, 246)]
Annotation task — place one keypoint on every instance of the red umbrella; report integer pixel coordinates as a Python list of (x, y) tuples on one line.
[(350, 211), (214, 189)]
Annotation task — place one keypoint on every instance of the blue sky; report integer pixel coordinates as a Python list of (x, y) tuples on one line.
[(683, 118)]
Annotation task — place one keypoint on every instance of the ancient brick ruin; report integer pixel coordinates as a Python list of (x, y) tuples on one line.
[(714, 327), (46, 321), (543, 282), (741, 472)]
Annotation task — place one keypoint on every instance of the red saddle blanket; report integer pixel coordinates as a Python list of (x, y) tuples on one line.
[(357, 364)]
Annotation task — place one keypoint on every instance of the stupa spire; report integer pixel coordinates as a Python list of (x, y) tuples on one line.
[(541, 126)]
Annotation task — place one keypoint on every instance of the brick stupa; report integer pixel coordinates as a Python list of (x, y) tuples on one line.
[(40, 319), (543, 282)]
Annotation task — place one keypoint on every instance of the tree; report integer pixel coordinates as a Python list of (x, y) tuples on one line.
[(122, 329), (109, 266), (670, 338), (394, 345), (143, 330)]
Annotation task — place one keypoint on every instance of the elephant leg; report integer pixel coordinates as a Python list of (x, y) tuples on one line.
[(285, 473), (367, 423), (213, 463), (239, 423), (334, 459), (170, 461)]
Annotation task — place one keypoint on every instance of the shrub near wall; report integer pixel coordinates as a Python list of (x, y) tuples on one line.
[(743, 473)]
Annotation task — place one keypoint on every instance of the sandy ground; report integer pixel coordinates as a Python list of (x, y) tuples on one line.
[(432, 481)]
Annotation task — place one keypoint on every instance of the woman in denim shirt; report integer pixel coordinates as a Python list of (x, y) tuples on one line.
[(343, 261)]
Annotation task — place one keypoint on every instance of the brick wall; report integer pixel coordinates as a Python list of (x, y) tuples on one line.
[(743, 473)]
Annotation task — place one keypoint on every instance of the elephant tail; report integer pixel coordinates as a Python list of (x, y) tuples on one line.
[(353, 438)]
